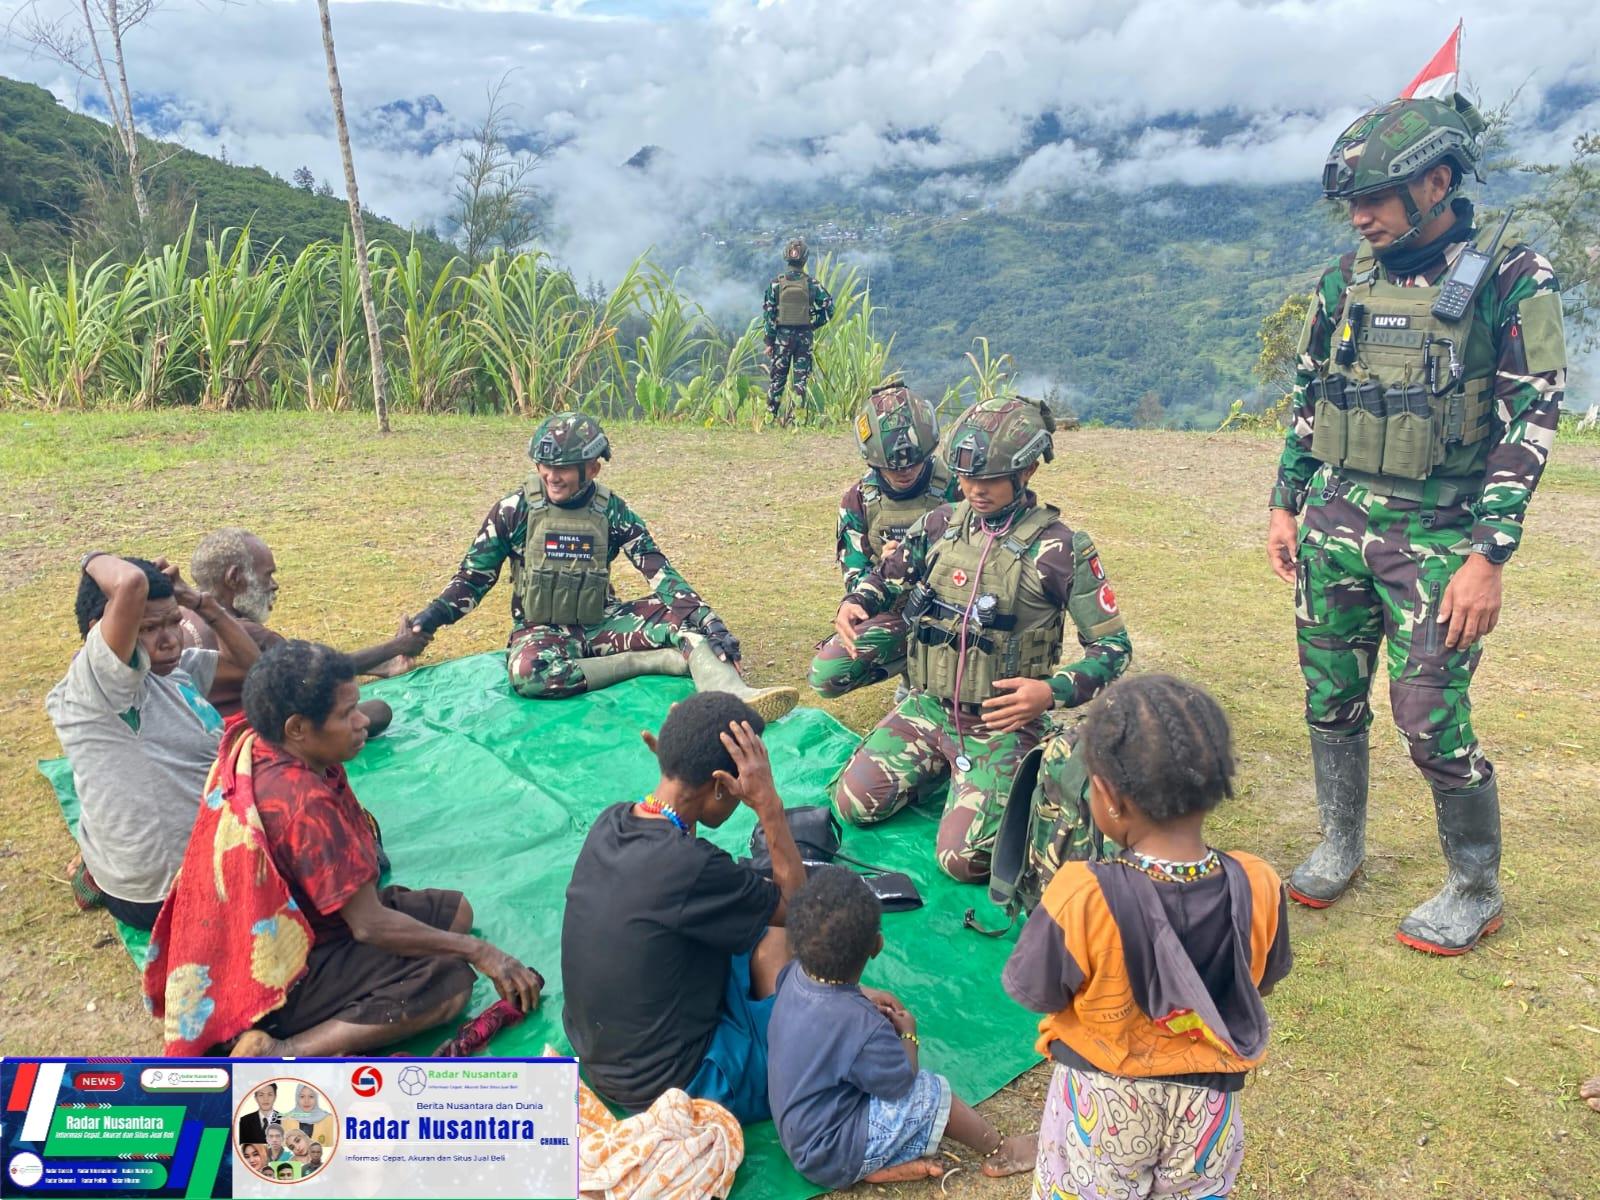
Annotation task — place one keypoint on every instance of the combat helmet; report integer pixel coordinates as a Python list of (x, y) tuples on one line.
[(1001, 436), (795, 252), (568, 439), (1396, 142), (896, 428)]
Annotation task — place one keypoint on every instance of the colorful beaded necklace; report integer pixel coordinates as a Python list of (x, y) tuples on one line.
[(1166, 871), (651, 804)]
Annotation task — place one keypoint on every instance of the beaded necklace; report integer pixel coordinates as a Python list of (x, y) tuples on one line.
[(1164, 870), (824, 982), (651, 804)]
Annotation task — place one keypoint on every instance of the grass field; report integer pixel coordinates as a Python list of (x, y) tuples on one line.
[(1390, 1074)]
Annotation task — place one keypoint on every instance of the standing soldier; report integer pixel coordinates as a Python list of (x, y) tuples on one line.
[(570, 634), (987, 584), (1430, 376), (796, 306), (898, 433)]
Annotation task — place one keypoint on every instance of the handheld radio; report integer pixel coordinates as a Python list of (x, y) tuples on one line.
[(1466, 275)]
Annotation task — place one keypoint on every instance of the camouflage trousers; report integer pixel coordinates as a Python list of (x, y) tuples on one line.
[(542, 659), (911, 752), (880, 654), (1372, 571), (791, 349)]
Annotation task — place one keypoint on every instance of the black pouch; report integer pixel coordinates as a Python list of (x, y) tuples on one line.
[(816, 831), (895, 891)]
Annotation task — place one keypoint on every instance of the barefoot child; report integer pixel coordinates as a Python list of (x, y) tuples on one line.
[(1151, 966), (847, 1094)]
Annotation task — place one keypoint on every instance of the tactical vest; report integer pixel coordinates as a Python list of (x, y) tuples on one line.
[(794, 300), (1023, 638), (889, 518), (1377, 420), (566, 575)]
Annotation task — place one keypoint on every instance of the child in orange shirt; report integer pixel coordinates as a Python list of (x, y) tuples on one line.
[(1150, 967)]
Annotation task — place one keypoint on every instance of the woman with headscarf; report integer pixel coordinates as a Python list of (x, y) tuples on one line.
[(310, 1116)]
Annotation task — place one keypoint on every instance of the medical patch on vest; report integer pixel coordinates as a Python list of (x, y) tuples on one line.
[(570, 547), (1108, 599), (958, 577), (1391, 321)]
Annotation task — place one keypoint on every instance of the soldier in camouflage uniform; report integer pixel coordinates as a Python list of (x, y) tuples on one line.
[(561, 531), (795, 307), (1417, 440), (987, 583), (898, 434)]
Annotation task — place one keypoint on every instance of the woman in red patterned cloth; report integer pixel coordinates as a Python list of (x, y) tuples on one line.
[(383, 965)]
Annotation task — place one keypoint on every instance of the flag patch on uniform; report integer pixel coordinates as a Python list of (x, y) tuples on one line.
[(1095, 568), (571, 547)]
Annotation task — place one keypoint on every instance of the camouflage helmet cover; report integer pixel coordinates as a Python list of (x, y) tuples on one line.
[(796, 251), (1398, 141), (896, 428), (1000, 436), (568, 439)]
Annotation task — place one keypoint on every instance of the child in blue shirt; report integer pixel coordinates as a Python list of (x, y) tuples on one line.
[(848, 1097)]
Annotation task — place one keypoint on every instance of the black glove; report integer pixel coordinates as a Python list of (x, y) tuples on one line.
[(722, 643), (430, 618)]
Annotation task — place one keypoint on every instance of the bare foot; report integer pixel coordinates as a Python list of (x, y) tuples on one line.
[(1017, 1154), (255, 1044), (917, 1168), (1590, 1092)]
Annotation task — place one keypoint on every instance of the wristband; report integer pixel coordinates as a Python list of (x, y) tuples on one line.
[(83, 564), (912, 1038)]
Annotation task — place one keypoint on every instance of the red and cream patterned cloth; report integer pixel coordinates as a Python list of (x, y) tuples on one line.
[(230, 941), (678, 1149)]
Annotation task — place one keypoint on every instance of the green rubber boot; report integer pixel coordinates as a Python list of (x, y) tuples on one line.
[(1340, 766), (607, 669), (1469, 906), (711, 674)]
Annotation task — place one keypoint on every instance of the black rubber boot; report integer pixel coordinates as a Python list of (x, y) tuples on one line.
[(1469, 905), (1340, 764)]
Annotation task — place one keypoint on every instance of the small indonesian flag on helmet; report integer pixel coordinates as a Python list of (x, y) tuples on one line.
[(1438, 78)]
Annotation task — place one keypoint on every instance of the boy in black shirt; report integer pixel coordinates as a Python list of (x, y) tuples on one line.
[(670, 950)]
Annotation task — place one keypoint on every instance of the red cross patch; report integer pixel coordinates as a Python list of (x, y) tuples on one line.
[(958, 577), (1108, 599)]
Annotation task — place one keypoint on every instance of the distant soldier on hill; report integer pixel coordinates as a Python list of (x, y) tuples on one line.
[(570, 633), (1431, 366), (988, 586), (796, 306), (898, 433)]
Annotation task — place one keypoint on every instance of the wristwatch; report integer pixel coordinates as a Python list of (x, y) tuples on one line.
[(1497, 554)]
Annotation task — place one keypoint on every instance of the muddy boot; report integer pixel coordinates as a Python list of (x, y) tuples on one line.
[(1469, 905), (1340, 766), (711, 674), (608, 669)]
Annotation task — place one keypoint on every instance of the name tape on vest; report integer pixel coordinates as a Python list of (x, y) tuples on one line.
[(572, 547), (1391, 321)]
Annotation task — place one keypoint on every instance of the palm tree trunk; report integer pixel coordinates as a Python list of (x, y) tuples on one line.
[(380, 401)]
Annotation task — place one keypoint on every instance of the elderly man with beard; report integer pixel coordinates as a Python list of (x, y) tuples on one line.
[(238, 568)]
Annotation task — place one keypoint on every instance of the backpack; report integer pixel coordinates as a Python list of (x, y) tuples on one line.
[(1046, 822)]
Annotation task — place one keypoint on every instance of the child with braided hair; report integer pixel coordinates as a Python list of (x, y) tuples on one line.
[(1150, 967)]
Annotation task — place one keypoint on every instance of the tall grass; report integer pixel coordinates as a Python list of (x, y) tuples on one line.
[(229, 323)]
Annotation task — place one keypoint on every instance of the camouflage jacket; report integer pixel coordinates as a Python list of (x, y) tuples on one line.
[(1052, 559), (855, 555), (1525, 411), (502, 536), (821, 305)]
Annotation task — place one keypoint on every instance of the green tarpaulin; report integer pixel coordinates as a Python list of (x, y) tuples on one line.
[(480, 790)]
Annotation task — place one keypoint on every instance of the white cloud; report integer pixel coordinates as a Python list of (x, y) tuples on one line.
[(748, 101)]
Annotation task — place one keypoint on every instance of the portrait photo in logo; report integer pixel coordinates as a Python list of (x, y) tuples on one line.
[(285, 1130)]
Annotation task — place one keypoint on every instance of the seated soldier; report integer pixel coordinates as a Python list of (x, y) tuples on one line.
[(382, 965), (988, 583), (898, 433), (134, 723), (570, 634), (670, 950), (238, 569)]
